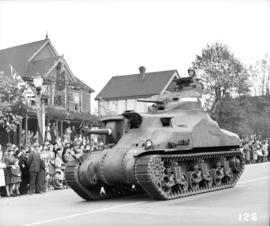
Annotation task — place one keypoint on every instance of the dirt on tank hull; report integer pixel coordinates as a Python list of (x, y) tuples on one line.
[(175, 150)]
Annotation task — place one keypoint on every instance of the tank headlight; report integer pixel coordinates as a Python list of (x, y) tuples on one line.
[(148, 144)]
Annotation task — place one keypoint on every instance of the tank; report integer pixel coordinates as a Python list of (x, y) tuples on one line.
[(174, 150)]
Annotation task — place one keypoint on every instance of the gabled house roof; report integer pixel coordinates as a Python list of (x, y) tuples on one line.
[(41, 66), (18, 56), (23, 59), (127, 86)]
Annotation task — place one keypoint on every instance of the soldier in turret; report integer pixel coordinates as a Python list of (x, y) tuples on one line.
[(192, 73), (195, 82)]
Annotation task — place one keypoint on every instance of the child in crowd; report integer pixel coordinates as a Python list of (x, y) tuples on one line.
[(16, 178)]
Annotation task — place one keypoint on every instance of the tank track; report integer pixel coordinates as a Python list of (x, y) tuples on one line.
[(95, 192), (149, 167), (72, 179)]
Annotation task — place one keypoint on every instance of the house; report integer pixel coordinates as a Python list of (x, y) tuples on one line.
[(71, 103), (122, 92)]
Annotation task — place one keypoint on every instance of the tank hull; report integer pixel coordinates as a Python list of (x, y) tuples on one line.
[(163, 176)]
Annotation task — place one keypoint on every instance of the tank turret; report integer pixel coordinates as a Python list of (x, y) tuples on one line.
[(173, 151)]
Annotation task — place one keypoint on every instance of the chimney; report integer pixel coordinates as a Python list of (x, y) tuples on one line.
[(142, 70), (46, 36)]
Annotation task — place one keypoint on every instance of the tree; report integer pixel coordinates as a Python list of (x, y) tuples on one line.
[(246, 115), (260, 76), (222, 73), (11, 105), (233, 115)]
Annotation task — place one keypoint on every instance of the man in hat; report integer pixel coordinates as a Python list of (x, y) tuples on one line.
[(42, 171), (24, 169), (33, 163)]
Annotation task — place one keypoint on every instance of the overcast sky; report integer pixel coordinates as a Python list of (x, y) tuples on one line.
[(100, 39)]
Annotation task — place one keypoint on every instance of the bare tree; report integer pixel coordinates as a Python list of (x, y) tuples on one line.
[(260, 76), (222, 73)]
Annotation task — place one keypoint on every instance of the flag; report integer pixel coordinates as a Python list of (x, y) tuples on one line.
[(17, 78), (22, 85)]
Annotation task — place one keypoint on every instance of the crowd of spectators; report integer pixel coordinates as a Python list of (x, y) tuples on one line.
[(256, 149), (33, 168)]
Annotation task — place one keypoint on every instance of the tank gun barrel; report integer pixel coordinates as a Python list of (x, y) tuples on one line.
[(86, 131), (151, 101)]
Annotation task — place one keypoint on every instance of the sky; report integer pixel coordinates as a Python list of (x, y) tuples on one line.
[(105, 38)]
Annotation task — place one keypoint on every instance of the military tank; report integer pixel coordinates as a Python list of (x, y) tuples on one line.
[(175, 150)]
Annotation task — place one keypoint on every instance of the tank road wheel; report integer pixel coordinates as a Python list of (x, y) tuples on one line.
[(207, 182), (168, 183), (163, 178), (175, 180), (183, 184), (194, 180), (178, 178), (175, 185), (235, 163), (228, 178), (218, 174), (195, 177), (228, 174), (207, 179)]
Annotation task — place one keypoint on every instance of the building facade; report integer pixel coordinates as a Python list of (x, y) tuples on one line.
[(66, 100), (122, 92)]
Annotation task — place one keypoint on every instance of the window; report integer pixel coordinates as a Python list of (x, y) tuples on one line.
[(166, 121), (59, 101)]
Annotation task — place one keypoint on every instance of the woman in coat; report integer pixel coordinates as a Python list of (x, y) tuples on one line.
[(9, 160)]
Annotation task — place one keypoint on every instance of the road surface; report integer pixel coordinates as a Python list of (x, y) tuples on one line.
[(246, 204)]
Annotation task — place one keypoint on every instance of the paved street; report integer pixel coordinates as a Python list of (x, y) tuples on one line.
[(246, 204)]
